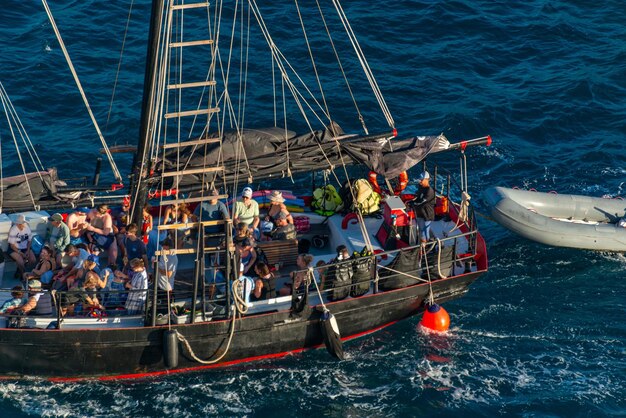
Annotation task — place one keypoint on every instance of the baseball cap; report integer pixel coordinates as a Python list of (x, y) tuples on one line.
[(56, 217), (21, 219), (424, 175), (247, 192)]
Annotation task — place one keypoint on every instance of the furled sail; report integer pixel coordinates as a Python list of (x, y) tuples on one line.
[(38, 189), (275, 152)]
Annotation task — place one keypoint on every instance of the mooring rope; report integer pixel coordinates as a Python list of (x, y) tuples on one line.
[(193, 355), (239, 307), (312, 278)]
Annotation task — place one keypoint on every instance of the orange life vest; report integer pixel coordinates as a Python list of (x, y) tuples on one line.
[(403, 181)]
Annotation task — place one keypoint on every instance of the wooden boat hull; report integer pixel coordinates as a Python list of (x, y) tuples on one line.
[(138, 352), (560, 220)]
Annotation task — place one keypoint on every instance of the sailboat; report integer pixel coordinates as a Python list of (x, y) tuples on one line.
[(195, 147)]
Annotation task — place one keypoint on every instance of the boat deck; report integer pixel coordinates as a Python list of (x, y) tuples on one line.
[(329, 228)]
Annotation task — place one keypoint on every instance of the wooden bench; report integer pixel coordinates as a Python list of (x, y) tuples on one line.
[(283, 252)]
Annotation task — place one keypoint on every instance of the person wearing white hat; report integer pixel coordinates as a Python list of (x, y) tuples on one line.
[(20, 239), (424, 206), (247, 210), (277, 207)]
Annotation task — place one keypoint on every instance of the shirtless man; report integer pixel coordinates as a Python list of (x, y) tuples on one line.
[(101, 224), (77, 222)]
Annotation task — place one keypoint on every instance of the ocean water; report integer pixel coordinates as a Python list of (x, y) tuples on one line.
[(542, 334)]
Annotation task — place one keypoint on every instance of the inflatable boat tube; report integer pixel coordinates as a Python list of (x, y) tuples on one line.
[(560, 220)]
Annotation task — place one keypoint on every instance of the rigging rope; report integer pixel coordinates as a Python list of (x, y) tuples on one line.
[(116, 172), (364, 64), (4, 99), (430, 282), (281, 61), (343, 73), (312, 278), (32, 152), (317, 77), (119, 66)]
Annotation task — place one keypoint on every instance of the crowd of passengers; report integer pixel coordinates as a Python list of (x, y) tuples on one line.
[(70, 263), (70, 267), (257, 277)]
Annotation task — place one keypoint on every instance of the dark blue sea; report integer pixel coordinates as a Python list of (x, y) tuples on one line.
[(543, 333)]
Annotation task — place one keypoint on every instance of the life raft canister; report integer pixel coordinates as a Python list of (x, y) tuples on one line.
[(403, 181)]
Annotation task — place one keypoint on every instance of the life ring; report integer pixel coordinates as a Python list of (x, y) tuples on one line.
[(350, 216), (403, 181)]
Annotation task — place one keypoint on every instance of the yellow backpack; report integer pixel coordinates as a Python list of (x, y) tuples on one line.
[(367, 201), (326, 200)]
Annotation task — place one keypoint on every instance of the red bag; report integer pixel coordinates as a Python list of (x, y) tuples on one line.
[(301, 223)]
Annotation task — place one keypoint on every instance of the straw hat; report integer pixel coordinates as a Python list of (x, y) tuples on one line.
[(277, 197)]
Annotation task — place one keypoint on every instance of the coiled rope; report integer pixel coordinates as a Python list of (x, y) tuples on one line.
[(239, 307)]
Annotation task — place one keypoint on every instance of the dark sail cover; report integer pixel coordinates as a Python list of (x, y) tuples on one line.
[(18, 193), (275, 152)]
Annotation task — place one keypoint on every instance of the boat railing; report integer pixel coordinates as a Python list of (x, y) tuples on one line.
[(65, 304), (208, 294), (427, 267)]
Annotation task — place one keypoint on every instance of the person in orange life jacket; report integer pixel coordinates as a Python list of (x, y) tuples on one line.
[(424, 206)]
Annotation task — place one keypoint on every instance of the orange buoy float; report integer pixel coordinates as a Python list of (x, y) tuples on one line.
[(436, 318)]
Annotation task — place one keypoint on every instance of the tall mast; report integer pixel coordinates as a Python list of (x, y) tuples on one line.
[(138, 191)]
